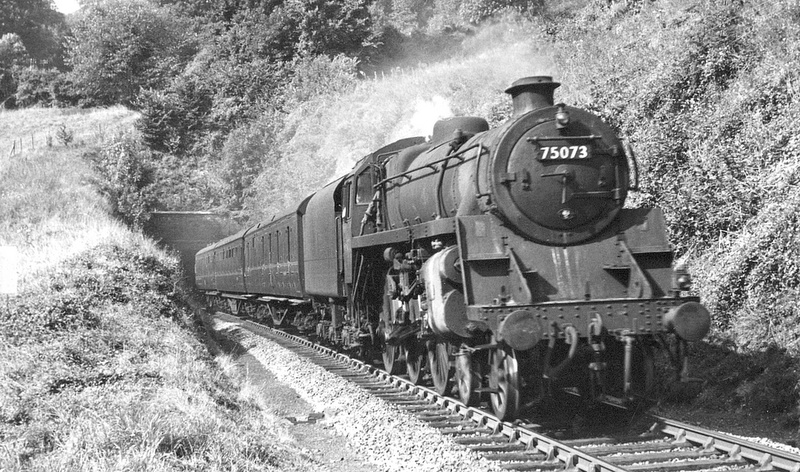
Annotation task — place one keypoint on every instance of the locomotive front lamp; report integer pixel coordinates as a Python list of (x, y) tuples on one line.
[(684, 281), (562, 117)]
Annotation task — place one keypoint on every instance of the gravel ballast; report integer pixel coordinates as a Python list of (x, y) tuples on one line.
[(383, 435)]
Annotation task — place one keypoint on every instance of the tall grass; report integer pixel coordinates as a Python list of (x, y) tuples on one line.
[(39, 128), (49, 208), (101, 366)]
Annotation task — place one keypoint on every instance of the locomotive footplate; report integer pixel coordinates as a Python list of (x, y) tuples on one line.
[(522, 326)]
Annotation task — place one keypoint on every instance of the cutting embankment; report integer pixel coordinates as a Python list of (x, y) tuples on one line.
[(103, 365)]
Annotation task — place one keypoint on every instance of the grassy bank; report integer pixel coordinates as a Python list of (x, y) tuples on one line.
[(101, 364), (49, 209)]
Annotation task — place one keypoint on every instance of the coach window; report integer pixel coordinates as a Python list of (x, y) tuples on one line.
[(288, 243), (278, 246)]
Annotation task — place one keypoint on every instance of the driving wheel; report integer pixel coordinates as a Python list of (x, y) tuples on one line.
[(415, 355), (391, 354), (504, 381), (439, 365), (468, 377)]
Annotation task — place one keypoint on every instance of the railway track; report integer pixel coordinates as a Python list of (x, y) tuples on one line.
[(661, 445)]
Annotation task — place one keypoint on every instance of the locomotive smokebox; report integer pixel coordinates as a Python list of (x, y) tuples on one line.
[(531, 93)]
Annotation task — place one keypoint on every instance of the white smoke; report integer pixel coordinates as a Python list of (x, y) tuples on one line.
[(426, 113), (408, 102)]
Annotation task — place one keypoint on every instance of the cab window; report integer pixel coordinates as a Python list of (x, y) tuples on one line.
[(364, 190), (346, 201)]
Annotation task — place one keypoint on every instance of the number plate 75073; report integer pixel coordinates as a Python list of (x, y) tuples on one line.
[(550, 153)]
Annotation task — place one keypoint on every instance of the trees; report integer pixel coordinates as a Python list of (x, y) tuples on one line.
[(119, 47), (30, 35), (39, 27)]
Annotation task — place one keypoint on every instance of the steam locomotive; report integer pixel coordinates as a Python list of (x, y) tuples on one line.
[(498, 263)]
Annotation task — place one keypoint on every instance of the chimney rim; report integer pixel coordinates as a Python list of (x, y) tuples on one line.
[(520, 85)]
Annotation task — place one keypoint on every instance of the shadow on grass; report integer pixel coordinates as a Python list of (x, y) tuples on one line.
[(765, 382)]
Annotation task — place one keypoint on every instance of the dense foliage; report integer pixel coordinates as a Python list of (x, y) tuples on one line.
[(30, 37), (120, 47), (38, 26)]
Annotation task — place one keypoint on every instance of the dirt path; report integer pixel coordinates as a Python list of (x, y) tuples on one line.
[(308, 428)]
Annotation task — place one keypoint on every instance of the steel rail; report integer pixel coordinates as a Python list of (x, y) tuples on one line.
[(767, 458)]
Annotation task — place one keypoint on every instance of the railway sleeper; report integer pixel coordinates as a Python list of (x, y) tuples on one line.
[(463, 431), (663, 456), (687, 465), (440, 417), (634, 448), (382, 390), (516, 456), (405, 400), (603, 441), (454, 423), (508, 447), (367, 383), (400, 398), (418, 408), (488, 439), (532, 466)]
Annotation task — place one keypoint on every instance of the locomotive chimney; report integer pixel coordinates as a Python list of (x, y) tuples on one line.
[(531, 93)]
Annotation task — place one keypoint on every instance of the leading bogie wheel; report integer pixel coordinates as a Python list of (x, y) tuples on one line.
[(505, 383), (468, 377), (439, 365)]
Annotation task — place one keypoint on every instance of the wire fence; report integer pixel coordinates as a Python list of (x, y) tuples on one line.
[(21, 144)]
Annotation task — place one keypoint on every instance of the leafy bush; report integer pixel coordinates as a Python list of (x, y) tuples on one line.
[(195, 112), (172, 119), (70, 296), (125, 178), (119, 47), (12, 51), (44, 87), (38, 27)]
